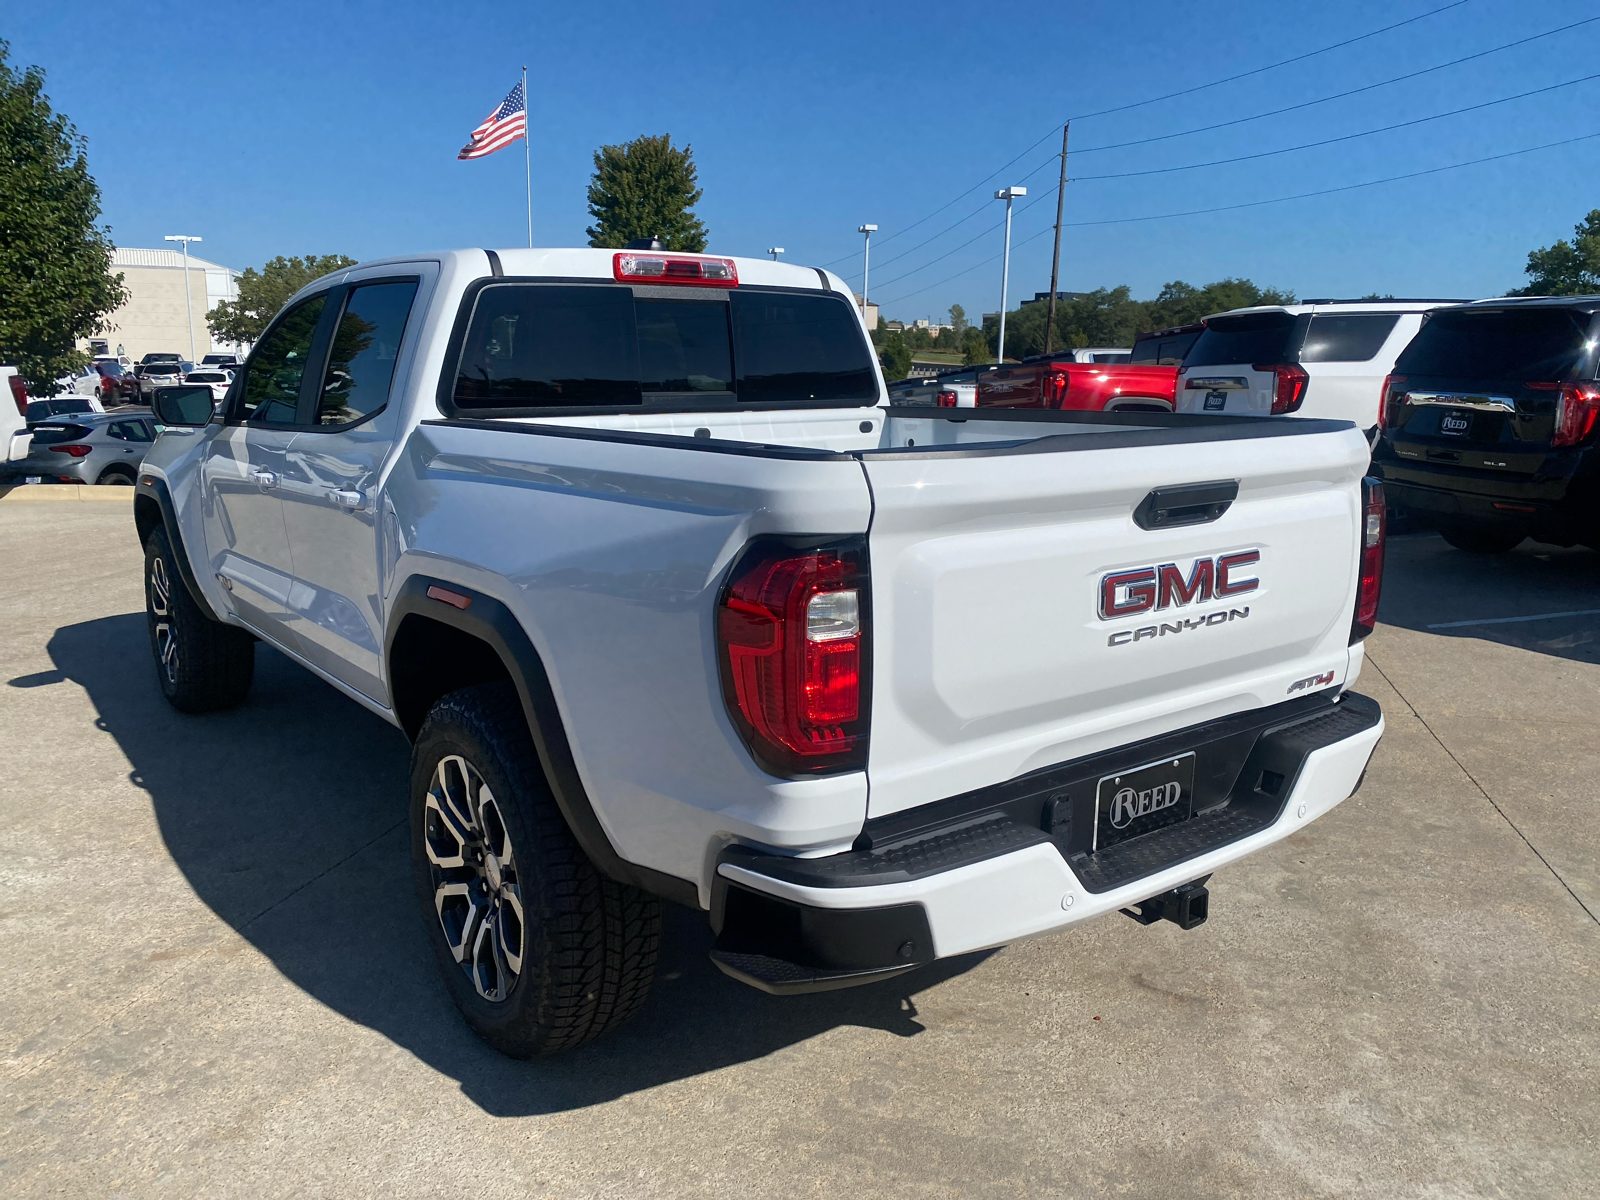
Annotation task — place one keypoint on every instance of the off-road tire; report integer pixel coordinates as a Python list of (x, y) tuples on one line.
[(201, 665), (1480, 539), (588, 943)]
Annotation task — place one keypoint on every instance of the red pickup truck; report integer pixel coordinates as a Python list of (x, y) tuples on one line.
[(1055, 381)]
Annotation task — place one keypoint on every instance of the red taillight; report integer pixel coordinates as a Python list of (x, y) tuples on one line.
[(792, 633), (1577, 412), (1372, 538), (1388, 402), (945, 400), (19, 393), (1290, 390), (75, 451), (638, 266)]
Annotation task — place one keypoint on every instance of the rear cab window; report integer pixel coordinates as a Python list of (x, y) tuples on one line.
[(532, 346)]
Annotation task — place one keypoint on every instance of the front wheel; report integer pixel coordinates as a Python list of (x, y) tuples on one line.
[(540, 952), (202, 665)]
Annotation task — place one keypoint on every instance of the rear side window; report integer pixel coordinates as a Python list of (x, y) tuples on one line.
[(366, 346), (1355, 338), (798, 347), (553, 346), (130, 431), (1527, 345), (1245, 339), (53, 435), (549, 347)]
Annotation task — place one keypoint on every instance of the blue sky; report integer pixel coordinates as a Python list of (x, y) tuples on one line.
[(332, 127)]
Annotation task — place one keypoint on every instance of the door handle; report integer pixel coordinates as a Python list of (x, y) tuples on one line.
[(265, 479), (348, 499)]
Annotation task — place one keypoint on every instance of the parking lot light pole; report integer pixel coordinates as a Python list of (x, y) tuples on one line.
[(188, 304), (866, 261), (1008, 195), (774, 251)]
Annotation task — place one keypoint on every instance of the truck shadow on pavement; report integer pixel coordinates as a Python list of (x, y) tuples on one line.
[(287, 817), (1431, 587)]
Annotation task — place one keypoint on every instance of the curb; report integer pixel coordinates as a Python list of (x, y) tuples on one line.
[(65, 493)]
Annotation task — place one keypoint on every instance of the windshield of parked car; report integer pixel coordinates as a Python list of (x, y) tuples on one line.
[(558, 345), (39, 410), (1525, 344)]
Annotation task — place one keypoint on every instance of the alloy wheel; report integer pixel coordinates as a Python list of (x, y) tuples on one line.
[(161, 610), (477, 886)]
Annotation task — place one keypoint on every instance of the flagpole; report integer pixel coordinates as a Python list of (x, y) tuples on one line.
[(527, 152)]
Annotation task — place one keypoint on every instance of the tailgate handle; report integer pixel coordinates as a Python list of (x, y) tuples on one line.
[(1186, 504)]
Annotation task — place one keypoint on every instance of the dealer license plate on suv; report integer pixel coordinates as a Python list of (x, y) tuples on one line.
[(1144, 799), (1455, 422)]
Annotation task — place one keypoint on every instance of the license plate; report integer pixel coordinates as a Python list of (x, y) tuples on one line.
[(1144, 799), (1455, 423), (33, 479), (1216, 401)]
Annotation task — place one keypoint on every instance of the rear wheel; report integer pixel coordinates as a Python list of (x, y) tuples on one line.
[(116, 477), (1481, 539), (202, 665), (540, 952)]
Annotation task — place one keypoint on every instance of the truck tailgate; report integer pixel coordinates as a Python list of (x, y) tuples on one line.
[(990, 654)]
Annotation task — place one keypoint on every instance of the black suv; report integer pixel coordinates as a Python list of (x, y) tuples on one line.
[(1491, 422)]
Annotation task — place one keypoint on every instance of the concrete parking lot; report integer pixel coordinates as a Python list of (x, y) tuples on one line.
[(215, 981)]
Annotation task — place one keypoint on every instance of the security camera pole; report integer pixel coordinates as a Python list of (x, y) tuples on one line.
[(1008, 195), (866, 262), (774, 251), (188, 305)]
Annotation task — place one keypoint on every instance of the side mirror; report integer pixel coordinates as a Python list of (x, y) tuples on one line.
[(182, 405)]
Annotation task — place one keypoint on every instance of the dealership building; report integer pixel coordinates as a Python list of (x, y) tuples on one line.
[(160, 312)]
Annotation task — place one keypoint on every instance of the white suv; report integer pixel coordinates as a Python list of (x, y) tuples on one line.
[(1323, 358)]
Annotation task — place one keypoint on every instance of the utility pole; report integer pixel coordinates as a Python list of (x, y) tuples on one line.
[(1008, 195), (1055, 259), (866, 262), (188, 303)]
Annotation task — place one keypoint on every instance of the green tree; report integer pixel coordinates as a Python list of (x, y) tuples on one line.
[(645, 188), (56, 284), (975, 349), (918, 338), (263, 293), (895, 357), (1180, 303), (1566, 268), (958, 324)]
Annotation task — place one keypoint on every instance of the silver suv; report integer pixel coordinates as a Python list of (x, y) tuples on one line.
[(1322, 358), (85, 448)]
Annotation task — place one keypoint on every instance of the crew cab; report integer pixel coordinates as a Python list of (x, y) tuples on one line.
[(1063, 382), (1322, 358), (1491, 423), (672, 604)]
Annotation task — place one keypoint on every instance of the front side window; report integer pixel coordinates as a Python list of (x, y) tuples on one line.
[(365, 349), (278, 366)]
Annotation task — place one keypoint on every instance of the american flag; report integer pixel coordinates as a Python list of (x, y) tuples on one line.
[(502, 127)]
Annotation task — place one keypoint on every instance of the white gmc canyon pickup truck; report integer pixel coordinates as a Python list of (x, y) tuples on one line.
[(672, 604)]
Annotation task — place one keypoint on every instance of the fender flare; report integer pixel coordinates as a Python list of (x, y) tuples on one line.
[(491, 622), (152, 488)]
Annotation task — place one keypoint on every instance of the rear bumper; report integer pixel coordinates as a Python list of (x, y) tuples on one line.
[(984, 876), (1560, 502)]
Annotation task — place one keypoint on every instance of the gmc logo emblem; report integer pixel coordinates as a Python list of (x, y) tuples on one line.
[(1143, 589)]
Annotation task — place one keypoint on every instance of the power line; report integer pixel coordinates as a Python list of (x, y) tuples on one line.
[(1240, 121), (1105, 112), (1196, 212), (1277, 112), (1140, 103), (1455, 112)]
